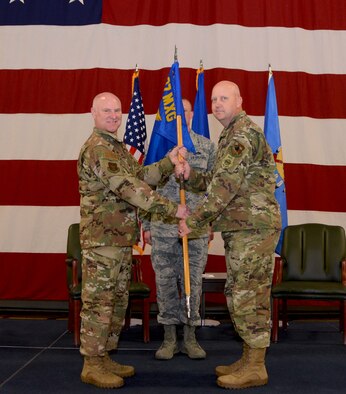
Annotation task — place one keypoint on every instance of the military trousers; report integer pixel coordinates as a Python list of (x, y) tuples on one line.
[(106, 274), (250, 265), (168, 264)]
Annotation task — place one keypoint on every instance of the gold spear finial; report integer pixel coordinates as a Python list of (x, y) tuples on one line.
[(270, 69)]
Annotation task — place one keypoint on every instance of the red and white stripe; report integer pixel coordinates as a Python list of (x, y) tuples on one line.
[(50, 74)]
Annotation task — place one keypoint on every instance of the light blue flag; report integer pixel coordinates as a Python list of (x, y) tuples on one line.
[(200, 123), (164, 134), (272, 134)]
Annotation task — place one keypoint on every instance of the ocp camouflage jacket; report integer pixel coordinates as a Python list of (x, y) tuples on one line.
[(112, 185), (240, 189)]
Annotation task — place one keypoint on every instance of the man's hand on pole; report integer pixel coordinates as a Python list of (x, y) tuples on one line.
[(183, 229), (182, 212), (177, 153)]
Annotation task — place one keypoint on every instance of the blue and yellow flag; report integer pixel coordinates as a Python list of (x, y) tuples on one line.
[(272, 134), (164, 134), (200, 123)]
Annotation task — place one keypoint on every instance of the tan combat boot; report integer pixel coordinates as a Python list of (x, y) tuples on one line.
[(252, 373), (169, 346), (190, 345), (94, 372), (228, 369), (124, 371)]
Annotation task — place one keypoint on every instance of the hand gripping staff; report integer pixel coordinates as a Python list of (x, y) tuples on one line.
[(184, 239)]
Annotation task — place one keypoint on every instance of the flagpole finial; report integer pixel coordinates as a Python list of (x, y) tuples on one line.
[(175, 53), (136, 68), (201, 63), (270, 69)]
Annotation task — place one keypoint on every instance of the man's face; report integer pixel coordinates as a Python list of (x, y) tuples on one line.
[(107, 113), (225, 103), (188, 112)]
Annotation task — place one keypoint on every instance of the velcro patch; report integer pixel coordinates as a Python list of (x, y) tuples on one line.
[(237, 149), (113, 167)]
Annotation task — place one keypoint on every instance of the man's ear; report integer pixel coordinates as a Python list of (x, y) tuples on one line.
[(92, 110)]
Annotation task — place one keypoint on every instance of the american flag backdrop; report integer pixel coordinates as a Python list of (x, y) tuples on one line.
[(56, 55)]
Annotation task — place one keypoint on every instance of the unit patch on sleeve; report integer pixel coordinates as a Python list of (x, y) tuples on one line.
[(236, 149), (113, 167)]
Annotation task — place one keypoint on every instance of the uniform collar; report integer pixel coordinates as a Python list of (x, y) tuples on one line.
[(111, 137), (235, 119), (225, 132)]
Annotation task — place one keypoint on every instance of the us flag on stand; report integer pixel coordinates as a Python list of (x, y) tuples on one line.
[(136, 134)]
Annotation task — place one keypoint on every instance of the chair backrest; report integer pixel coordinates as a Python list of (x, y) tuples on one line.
[(73, 242), (313, 252), (73, 250)]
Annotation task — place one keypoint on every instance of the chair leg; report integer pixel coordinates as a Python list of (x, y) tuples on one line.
[(145, 320), (127, 322), (76, 321), (275, 320), (343, 320), (284, 314), (70, 315)]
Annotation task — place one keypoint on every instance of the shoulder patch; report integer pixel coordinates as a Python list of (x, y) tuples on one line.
[(236, 149), (113, 167)]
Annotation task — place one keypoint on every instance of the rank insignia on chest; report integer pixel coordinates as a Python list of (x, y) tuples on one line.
[(237, 149), (113, 167)]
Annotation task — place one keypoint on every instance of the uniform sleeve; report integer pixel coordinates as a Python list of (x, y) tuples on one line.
[(122, 179), (154, 173), (212, 157), (145, 218), (224, 182)]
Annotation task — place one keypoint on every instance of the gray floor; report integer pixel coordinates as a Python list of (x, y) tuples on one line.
[(38, 356)]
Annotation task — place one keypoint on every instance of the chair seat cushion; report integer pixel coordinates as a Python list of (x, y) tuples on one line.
[(309, 290), (139, 290)]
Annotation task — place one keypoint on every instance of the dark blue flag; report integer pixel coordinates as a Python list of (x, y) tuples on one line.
[(200, 123), (164, 134)]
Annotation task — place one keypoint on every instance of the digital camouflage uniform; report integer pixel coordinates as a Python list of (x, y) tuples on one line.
[(240, 202), (167, 253), (112, 185)]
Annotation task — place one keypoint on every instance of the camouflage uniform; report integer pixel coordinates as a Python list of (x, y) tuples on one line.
[(112, 185), (240, 203), (167, 253)]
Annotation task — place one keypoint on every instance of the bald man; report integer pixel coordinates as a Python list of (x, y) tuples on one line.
[(112, 186), (240, 202)]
